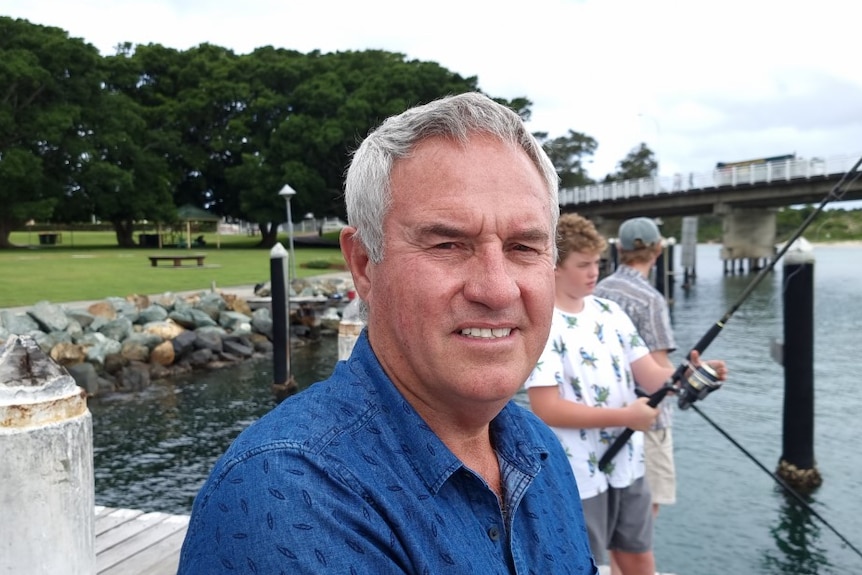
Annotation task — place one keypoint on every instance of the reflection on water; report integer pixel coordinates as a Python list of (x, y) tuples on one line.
[(797, 549), (154, 449)]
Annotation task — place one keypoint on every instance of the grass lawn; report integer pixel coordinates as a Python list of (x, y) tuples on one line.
[(88, 265)]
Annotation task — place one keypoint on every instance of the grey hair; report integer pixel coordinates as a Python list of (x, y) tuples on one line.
[(367, 190)]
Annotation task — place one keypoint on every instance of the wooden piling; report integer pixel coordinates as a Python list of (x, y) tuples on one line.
[(283, 384), (797, 465)]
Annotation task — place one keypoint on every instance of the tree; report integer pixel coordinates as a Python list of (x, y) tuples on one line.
[(304, 116), (46, 81), (639, 163), (568, 155)]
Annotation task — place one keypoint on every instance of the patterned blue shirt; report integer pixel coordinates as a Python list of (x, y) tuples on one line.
[(345, 477)]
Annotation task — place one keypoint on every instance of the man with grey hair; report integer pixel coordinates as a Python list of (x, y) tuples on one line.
[(411, 458)]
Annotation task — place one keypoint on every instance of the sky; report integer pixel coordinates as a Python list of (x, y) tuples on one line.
[(699, 82)]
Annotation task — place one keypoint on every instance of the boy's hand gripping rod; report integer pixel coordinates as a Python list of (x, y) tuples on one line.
[(687, 398)]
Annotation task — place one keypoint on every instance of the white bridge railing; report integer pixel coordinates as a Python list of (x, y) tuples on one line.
[(763, 173)]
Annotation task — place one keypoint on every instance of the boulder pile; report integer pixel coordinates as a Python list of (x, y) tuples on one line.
[(122, 344)]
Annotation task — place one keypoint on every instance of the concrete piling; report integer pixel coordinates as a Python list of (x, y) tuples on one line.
[(47, 492)]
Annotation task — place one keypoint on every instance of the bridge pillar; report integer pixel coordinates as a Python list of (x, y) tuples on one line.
[(748, 236)]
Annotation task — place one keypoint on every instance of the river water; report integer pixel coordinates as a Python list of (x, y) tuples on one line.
[(154, 449)]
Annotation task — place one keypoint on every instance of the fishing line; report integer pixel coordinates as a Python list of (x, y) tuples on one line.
[(777, 479), (671, 384)]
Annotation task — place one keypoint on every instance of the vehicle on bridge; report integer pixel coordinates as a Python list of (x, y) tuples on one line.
[(763, 169)]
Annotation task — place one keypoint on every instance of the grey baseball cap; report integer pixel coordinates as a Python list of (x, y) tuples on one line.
[(638, 229)]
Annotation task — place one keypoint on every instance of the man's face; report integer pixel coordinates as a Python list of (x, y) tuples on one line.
[(460, 306), (577, 275)]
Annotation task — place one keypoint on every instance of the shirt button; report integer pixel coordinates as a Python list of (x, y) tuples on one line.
[(494, 533)]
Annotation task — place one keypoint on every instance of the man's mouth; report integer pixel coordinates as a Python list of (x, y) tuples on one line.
[(486, 333)]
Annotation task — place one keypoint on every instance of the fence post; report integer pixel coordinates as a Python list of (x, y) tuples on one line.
[(47, 491)]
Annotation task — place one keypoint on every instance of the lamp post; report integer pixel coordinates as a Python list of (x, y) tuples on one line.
[(286, 192), (657, 139)]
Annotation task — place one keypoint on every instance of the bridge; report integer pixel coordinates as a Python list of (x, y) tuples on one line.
[(746, 196)]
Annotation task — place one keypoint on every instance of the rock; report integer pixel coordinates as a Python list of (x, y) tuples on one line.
[(210, 340), (183, 343), (261, 322), (135, 351), (117, 329), (235, 322), (103, 310), (191, 318), (139, 301), (153, 313), (200, 357), (134, 377), (68, 354), (167, 329), (86, 377), (83, 318), (238, 348), (50, 317), (18, 323), (163, 354), (114, 363)]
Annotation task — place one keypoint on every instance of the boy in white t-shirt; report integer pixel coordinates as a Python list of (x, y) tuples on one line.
[(584, 388)]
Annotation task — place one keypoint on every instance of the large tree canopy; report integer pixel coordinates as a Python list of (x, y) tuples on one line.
[(47, 80), (129, 136)]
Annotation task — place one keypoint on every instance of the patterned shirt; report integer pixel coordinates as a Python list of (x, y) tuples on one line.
[(648, 310), (346, 478), (588, 356)]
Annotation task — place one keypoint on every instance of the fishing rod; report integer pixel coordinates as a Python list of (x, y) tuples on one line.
[(702, 380), (778, 480)]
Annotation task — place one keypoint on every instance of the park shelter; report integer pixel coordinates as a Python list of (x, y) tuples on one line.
[(189, 213)]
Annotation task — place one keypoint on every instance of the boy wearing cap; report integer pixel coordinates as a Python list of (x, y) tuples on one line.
[(584, 388), (640, 244)]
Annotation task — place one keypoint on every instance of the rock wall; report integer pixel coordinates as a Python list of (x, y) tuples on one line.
[(122, 344)]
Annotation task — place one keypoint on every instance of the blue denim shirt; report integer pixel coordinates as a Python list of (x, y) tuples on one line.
[(345, 477)]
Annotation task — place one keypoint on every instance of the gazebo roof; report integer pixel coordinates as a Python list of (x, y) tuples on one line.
[(192, 213)]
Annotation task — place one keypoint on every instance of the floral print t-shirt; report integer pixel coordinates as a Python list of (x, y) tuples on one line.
[(588, 357)]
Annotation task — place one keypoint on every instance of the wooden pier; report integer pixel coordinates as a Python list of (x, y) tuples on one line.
[(131, 542)]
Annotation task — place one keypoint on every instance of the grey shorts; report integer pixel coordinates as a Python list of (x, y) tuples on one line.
[(660, 469), (620, 520)]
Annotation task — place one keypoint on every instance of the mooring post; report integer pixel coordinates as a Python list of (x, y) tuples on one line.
[(664, 271), (797, 465), (283, 384), (47, 491)]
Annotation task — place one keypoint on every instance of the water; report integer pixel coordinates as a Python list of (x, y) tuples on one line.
[(153, 450)]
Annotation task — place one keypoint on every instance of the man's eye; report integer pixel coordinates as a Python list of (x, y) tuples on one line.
[(445, 246), (523, 248)]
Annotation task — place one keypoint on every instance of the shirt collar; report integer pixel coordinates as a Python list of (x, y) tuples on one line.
[(514, 437)]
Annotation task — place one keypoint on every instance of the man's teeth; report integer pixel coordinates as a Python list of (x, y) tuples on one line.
[(485, 332)]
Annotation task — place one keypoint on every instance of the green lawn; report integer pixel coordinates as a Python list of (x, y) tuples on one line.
[(88, 265)]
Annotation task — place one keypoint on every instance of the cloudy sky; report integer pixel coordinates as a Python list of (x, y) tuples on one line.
[(698, 81)]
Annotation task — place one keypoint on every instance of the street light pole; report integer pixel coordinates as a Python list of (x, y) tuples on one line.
[(657, 139), (286, 192)]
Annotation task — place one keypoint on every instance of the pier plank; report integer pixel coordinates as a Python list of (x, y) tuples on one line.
[(131, 542), (114, 518)]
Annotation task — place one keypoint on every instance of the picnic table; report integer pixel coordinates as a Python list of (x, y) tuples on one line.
[(178, 260)]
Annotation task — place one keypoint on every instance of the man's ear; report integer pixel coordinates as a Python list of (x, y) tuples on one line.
[(358, 263)]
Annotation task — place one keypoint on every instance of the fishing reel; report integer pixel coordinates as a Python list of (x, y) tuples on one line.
[(702, 381)]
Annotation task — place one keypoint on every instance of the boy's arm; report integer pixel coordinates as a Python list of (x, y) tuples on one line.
[(547, 404)]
